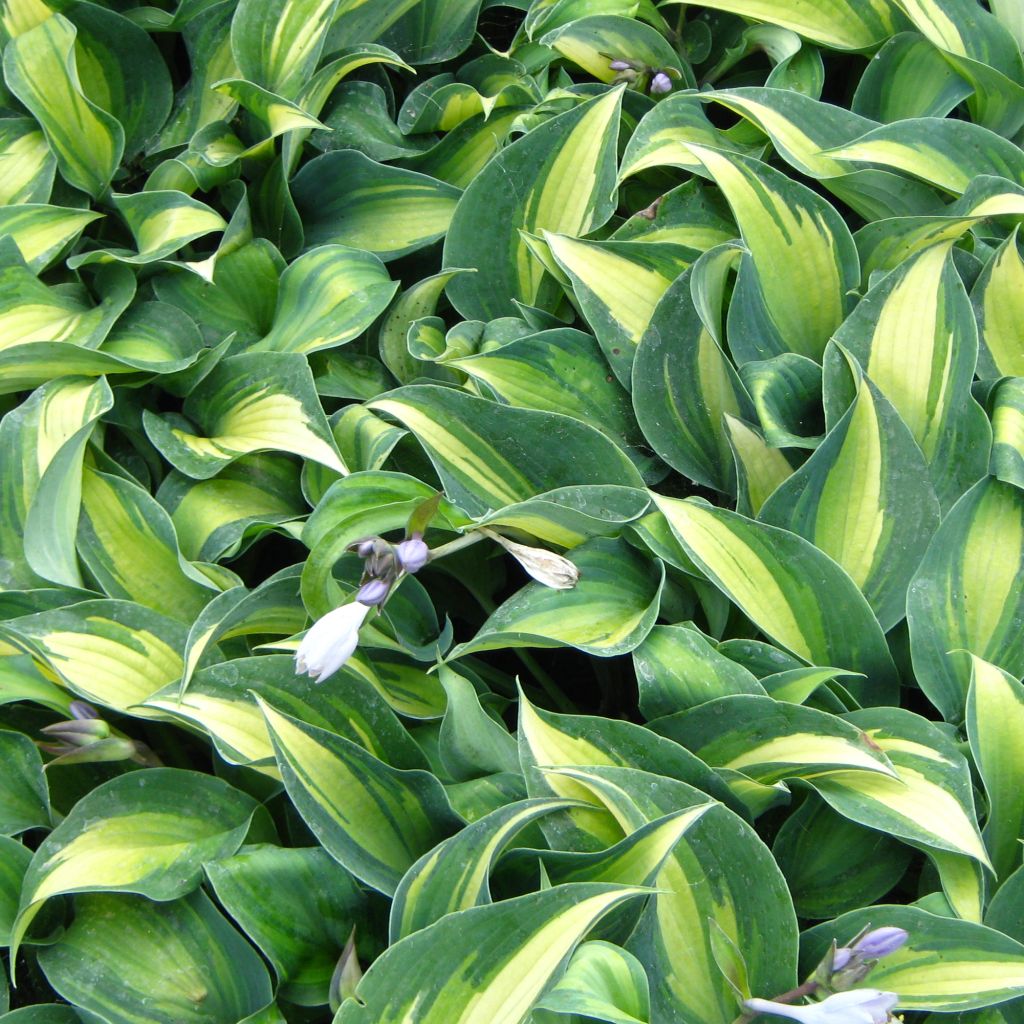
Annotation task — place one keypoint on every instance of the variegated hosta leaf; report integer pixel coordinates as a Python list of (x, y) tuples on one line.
[(588, 41), (618, 285), (470, 742), (13, 864), (787, 741), (327, 297), (931, 804), (128, 543), (760, 468), (939, 150), (568, 516), (602, 981), (995, 727), (967, 594), (105, 962), (608, 612), (865, 499), (161, 223), (299, 907), (42, 443), (815, 611), (147, 833), (560, 370), (40, 69), (981, 50), (455, 875), (666, 133), (486, 965), (833, 864), (909, 77), (248, 403), (349, 199), (843, 24), (375, 820), (677, 668), (114, 653), (927, 381), (28, 162), (220, 700), (1007, 409), (945, 963), (559, 178), (999, 308), (550, 745), (241, 297), (802, 265), (217, 517), (278, 47), (272, 607), (43, 232), (489, 456), (718, 870), (25, 802)]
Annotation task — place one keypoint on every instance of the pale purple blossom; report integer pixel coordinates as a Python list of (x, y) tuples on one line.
[(859, 1006), (661, 83)]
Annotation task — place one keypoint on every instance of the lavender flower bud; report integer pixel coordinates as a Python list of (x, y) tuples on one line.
[(841, 958), (880, 942), (620, 65), (412, 554), (661, 83), (81, 709), (373, 592), (365, 548)]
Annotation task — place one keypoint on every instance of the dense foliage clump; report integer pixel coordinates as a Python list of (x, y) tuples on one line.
[(512, 512)]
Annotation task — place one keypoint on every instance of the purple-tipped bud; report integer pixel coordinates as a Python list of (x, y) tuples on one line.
[(79, 731), (841, 958), (620, 65), (661, 83), (413, 554), (80, 709), (880, 942), (373, 592), (365, 548)]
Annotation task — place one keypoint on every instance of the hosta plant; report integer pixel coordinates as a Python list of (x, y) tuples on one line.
[(511, 511)]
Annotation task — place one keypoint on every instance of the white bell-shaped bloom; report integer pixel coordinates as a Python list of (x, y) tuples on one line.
[(858, 1006), (330, 641)]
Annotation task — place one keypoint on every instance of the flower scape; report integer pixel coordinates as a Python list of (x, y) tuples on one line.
[(511, 511)]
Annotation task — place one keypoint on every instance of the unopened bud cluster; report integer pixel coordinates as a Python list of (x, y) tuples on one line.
[(835, 979), (656, 81), (332, 640), (847, 966), (85, 738)]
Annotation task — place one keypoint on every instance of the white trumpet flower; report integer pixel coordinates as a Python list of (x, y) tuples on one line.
[(858, 1006), (330, 641)]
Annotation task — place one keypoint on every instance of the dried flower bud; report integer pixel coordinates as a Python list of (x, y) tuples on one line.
[(544, 566), (661, 83), (412, 554)]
